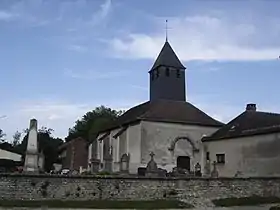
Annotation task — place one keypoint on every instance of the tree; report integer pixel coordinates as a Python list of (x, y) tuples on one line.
[(89, 125), (16, 138), (2, 136)]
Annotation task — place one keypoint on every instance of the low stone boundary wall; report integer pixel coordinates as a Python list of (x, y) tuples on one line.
[(196, 191)]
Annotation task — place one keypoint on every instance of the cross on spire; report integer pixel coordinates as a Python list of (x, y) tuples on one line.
[(166, 30), (152, 154)]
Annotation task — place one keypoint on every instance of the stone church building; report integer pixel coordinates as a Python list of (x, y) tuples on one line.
[(180, 135), (166, 125)]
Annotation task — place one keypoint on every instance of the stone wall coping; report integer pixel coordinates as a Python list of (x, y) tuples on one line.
[(2, 175)]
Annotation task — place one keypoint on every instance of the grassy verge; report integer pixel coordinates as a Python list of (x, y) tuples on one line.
[(275, 208), (245, 201), (98, 204)]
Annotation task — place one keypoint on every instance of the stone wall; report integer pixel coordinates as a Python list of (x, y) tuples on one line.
[(198, 191)]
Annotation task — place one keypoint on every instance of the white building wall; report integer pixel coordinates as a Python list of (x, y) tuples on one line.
[(89, 155), (134, 147), (9, 155), (157, 137), (141, 139), (248, 156)]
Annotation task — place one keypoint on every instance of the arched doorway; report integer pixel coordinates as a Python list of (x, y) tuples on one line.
[(184, 162)]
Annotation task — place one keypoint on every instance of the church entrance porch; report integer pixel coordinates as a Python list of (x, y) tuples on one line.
[(184, 162)]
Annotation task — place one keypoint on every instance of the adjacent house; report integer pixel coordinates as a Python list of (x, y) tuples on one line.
[(248, 145), (9, 158), (74, 154)]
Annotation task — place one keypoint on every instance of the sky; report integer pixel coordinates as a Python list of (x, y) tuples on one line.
[(62, 58)]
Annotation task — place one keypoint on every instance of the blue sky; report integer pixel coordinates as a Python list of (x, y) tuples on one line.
[(60, 59)]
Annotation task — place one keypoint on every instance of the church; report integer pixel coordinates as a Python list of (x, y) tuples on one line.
[(179, 135), (166, 125)]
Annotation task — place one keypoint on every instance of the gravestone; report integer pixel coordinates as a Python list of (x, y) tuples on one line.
[(215, 173), (152, 169), (207, 169), (124, 167), (31, 163), (141, 171), (197, 171)]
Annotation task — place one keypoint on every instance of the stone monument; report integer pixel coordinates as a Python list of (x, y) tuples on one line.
[(152, 168), (214, 173), (31, 163)]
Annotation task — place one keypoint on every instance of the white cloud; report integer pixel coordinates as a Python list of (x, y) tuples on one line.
[(56, 114), (204, 38), (93, 75), (99, 16), (7, 16), (77, 48)]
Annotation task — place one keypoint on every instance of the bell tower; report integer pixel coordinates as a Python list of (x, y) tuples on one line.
[(167, 76)]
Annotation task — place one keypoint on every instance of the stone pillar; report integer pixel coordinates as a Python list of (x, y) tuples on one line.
[(32, 156), (202, 159)]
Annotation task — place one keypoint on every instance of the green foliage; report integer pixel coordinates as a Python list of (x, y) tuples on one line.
[(103, 173), (89, 125), (16, 138), (275, 208), (98, 204), (245, 201), (2, 136)]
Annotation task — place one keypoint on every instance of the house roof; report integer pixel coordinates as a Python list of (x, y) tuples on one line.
[(8, 147), (167, 57), (246, 124), (65, 144), (165, 111)]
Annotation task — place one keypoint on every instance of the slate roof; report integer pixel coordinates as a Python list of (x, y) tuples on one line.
[(247, 124), (165, 111), (8, 147), (167, 57)]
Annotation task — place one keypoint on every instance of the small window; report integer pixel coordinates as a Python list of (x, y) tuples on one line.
[(178, 73), (167, 72), (220, 158), (207, 155), (157, 73)]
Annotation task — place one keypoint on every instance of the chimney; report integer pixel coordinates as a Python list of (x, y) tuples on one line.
[(251, 107)]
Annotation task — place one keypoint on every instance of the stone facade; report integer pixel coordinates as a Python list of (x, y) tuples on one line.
[(246, 156), (167, 140), (198, 191), (74, 154)]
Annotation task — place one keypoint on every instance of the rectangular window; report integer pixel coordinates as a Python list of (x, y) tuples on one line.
[(157, 73), (178, 73), (207, 155), (167, 72), (220, 158)]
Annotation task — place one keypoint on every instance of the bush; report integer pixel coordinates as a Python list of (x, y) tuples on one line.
[(275, 208), (245, 201), (103, 173)]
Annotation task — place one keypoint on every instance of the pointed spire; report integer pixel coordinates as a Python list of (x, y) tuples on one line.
[(167, 57)]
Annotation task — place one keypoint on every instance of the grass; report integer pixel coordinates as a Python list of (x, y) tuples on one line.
[(245, 201), (275, 208), (98, 204)]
